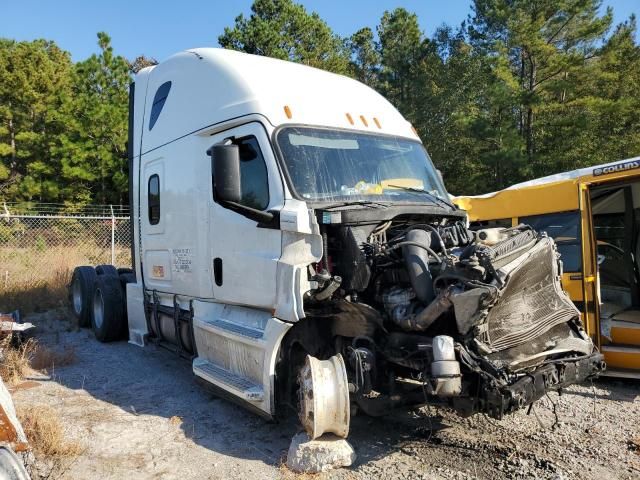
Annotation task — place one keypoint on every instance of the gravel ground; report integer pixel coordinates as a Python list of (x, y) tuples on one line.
[(140, 410)]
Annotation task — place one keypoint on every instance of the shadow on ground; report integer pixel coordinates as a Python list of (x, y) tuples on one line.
[(154, 383)]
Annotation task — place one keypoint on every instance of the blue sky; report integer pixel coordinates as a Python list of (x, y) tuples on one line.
[(160, 28)]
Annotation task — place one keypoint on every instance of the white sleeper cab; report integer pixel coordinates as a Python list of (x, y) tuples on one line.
[(293, 240)]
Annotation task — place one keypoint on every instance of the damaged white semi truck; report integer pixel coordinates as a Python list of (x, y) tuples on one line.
[(294, 241)]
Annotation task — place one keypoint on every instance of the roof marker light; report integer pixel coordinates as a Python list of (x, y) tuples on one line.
[(364, 120), (349, 118), (377, 122), (287, 111)]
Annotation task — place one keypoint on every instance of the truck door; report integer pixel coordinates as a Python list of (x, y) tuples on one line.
[(589, 267), (243, 254)]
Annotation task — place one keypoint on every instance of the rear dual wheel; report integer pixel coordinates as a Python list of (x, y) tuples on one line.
[(108, 317), (98, 300), (81, 293)]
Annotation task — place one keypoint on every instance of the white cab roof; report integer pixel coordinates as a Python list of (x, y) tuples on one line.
[(213, 85)]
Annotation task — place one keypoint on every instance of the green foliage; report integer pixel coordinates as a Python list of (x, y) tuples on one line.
[(364, 65), (92, 149), (285, 30), (63, 127), (401, 49), (523, 88), (543, 52), (34, 78)]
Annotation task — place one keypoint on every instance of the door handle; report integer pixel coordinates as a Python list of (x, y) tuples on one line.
[(217, 271)]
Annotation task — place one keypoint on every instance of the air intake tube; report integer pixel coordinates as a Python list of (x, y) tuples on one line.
[(417, 261)]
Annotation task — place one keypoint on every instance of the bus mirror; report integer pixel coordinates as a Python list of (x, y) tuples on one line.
[(225, 165)]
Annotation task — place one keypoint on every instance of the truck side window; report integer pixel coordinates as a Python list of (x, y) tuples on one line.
[(253, 173), (158, 103), (154, 199)]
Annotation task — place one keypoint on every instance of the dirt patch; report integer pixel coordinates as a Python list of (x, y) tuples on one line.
[(140, 409)]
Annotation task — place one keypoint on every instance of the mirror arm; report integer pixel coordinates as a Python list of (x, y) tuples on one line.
[(257, 215)]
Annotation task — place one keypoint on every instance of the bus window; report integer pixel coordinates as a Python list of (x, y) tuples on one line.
[(564, 228)]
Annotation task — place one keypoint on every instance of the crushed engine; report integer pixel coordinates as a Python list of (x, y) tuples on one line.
[(431, 311)]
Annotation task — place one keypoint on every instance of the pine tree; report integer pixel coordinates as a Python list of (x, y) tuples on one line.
[(547, 44), (401, 50), (93, 147), (34, 78), (365, 58), (285, 30)]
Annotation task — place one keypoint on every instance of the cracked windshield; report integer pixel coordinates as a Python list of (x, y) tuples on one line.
[(329, 165)]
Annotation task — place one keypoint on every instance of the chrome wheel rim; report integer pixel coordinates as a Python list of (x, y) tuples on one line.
[(76, 293), (98, 309)]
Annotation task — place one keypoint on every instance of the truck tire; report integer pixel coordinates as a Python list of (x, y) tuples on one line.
[(106, 270), (127, 278), (122, 270), (107, 314), (81, 294)]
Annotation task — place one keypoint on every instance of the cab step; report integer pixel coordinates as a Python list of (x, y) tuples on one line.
[(232, 382), (235, 331)]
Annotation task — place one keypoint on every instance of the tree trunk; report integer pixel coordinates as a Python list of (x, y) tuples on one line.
[(522, 74), (12, 142), (530, 116)]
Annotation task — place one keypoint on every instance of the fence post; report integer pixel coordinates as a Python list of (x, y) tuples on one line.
[(113, 237)]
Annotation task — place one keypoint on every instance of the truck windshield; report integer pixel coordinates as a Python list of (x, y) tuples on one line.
[(329, 165)]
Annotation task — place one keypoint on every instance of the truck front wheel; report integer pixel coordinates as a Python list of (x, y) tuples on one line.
[(107, 315)]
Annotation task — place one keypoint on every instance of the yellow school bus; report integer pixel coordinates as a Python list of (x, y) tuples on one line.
[(594, 216)]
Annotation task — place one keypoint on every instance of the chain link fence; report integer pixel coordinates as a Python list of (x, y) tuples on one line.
[(40, 244)]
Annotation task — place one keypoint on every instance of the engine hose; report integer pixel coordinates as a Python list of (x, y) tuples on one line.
[(325, 250), (425, 225), (329, 290), (429, 314), (416, 244), (437, 233)]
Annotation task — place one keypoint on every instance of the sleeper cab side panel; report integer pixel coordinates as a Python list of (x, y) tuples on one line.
[(175, 250)]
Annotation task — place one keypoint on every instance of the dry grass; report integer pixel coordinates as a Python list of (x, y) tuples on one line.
[(45, 433), (45, 359), (34, 280), (16, 359), (19, 360), (36, 295)]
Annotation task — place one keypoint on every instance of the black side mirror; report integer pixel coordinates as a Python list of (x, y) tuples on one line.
[(225, 165)]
